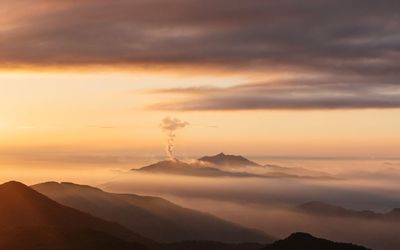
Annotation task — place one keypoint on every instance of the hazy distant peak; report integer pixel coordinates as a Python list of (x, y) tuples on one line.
[(64, 185), (326, 209), (224, 159), (320, 205), (395, 212), (168, 164)]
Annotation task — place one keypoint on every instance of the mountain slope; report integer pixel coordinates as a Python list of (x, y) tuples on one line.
[(236, 163), (194, 169), (30, 220), (303, 241), (152, 217)]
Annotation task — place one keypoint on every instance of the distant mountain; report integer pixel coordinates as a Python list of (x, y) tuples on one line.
[(152, 217), (222, 159), (394, 214), (192, 169), (325, 209), (298, 171), (206, 169), (321, 208), (30, 220), (237, 162), (303, 241)]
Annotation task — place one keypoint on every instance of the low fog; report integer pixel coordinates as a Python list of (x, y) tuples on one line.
[(266, 203)]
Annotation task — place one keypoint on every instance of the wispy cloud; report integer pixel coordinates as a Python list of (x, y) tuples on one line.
[(301, 94)]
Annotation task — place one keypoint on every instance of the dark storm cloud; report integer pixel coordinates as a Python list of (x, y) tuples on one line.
[(356, 36)]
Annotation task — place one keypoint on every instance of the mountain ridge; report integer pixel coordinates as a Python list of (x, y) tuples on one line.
[(30, 220), (29, 217), (178, 167), (305, 241), (152, 217)]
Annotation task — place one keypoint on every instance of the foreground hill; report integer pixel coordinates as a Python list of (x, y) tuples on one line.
[(30, 220), (151, 217), (303, 241)]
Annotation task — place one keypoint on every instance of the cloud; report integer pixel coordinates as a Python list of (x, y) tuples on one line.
[(354, 45), (169, 124), (301, 94), (357, 37)]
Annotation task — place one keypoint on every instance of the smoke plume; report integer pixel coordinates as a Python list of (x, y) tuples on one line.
[(169, 126)]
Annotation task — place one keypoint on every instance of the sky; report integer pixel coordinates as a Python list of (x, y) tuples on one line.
[(280, 78)]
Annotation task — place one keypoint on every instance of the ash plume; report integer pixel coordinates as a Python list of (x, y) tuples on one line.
[(169, 125)]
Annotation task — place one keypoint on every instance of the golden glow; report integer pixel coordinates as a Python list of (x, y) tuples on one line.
[(108, 111)]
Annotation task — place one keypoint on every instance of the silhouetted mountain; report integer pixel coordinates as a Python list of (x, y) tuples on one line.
[(30, 220), (152, 217), (222, 159), (194, 169), (303, 241)]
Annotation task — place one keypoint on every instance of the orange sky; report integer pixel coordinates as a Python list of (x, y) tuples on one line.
[(256, 78), (109, 111)]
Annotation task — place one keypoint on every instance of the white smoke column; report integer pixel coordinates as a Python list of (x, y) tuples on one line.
[(169, 126)]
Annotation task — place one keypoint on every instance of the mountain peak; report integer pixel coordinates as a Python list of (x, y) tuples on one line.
[(63, 185), (300, 235), (222, 159), (178, 167), (14, 191), (13, 185)]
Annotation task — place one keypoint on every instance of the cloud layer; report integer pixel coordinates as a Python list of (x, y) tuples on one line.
[(358, 36), (347, 52)]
